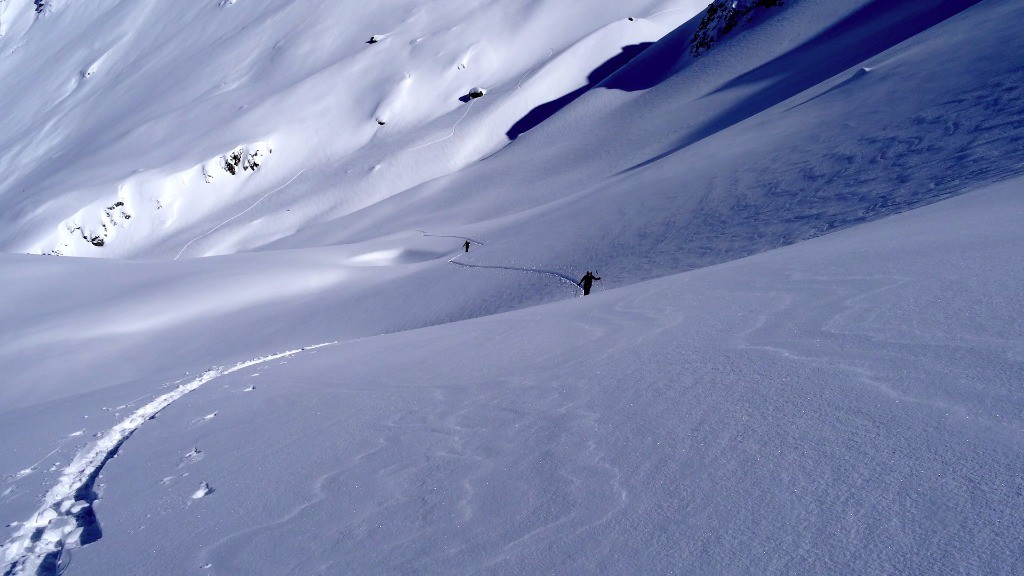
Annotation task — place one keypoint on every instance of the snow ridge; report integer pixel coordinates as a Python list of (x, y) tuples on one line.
[(66, 519)]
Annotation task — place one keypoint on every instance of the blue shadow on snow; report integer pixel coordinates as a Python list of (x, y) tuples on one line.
[(863, 34), (541, 113)]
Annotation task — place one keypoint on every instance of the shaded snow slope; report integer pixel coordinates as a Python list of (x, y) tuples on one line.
[(849, 404)]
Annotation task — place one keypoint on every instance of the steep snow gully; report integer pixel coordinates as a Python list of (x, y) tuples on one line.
[(66, 519)]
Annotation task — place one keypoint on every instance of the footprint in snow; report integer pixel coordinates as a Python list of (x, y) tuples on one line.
[(191, 458), (204, 490), (23, 473), (171, 479), (203, 419)]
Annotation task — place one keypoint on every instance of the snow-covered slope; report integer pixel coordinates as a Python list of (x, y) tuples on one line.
[(750, 398), (830, 406), (145, 104), (823, 93)]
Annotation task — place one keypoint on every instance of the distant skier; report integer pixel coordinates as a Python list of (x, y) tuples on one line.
[(587, 281), (466, 245)]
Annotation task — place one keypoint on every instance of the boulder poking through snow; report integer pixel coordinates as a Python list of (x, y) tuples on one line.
[(474, 93), (204, 490), (241, 159)]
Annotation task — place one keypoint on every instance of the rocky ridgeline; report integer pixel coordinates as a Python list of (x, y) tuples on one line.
[(724, 16), (95, 226), (112, 216), (243, 158)]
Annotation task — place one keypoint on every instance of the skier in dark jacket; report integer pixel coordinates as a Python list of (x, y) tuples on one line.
[(587, 281), (466, 245)]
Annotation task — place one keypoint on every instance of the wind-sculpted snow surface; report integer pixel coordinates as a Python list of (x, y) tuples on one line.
[(66, 519)]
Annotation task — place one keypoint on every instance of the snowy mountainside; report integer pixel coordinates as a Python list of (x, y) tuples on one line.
[(820, 117), (334, 246), (679, 163), (141, 104), (836, 403), (341, 125), (837, 113)]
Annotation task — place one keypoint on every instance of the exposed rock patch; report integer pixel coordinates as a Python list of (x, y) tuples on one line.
[(724, 16)]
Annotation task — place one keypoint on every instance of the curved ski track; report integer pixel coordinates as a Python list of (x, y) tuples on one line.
[(66, 520)]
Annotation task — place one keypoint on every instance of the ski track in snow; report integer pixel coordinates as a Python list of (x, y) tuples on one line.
[(254, 204), (453, 260), (29, 470), (26, 471), (551, 52), (558, 275), (66, 520), (664, 11), (477, 242), (132, 403), (454, 128)]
